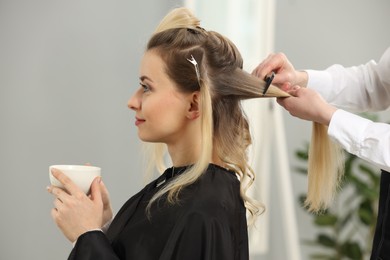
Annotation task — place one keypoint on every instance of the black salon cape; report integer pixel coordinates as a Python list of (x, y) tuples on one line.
[(381, 243), (209, 222)]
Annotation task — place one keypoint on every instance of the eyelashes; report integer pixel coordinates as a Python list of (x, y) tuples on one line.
[(145, 87)]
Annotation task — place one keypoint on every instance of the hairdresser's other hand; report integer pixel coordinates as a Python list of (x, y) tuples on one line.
[(74, 212), (308, 105), (285, 74)]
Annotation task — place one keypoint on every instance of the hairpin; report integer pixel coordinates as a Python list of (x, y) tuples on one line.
[(200, 28), (193, 61), (268, 79), (193, 31), (196, 30)]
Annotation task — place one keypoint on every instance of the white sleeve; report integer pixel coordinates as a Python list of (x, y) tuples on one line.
[(362, 137), (359, 88)]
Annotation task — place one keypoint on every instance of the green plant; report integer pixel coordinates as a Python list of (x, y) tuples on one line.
[(346, 229)]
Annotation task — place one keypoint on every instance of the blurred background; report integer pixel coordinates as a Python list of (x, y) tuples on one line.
[(67, 69)]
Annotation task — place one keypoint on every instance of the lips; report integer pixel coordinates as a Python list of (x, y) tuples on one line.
[(138, 121)]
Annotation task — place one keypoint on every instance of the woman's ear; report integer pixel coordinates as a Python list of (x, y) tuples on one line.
[(194, 108)]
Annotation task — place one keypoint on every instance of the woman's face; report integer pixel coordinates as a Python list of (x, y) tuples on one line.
[(161, 111)]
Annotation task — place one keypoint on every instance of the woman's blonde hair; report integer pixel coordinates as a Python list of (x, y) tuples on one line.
[(222, 84), (325, 169)]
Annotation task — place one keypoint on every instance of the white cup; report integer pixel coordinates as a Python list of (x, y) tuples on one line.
[(81, 175)]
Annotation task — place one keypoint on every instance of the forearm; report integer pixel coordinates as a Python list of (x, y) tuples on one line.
[(362, 137), (341, 87), (359, 88)]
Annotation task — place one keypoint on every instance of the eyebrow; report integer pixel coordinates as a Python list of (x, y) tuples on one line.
[(142, 78)]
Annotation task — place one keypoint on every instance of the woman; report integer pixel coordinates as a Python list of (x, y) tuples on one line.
[(188, 102)]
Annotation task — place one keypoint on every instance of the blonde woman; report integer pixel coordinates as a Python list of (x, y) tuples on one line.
[(188, 104)]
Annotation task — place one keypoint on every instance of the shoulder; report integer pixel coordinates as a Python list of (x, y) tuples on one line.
[(216, 173), (219, 182), (217, 189)]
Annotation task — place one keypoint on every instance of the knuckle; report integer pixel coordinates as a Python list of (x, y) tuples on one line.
[(280, 55), (56, 192), (271, 54), (65, 180), (70, 204), (79, 196)]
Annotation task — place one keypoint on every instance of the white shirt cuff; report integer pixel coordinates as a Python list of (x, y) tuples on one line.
[(348, 130)]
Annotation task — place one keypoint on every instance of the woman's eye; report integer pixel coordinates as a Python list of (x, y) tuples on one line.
[(146, 88)]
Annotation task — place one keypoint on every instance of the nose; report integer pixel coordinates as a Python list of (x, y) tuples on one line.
[(134, 102)]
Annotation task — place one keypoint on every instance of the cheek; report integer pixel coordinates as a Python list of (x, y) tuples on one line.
[(160, 110), (163, 122)]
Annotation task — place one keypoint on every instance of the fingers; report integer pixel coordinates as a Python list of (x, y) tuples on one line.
[(60, 194), (95, 190), (58, 204), (280, 101), (104, 193), (286, 86), (68, 184), (107, 210), (294, 91), (60, 197), (274, 62), (278, 63), (265, 67)]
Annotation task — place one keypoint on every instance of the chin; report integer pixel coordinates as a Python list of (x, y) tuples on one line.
[(148, 139)]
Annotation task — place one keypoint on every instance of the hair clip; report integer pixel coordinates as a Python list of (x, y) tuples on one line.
[(193, 61), (196, 30), (200, 28), (268, 80), (193, 31)]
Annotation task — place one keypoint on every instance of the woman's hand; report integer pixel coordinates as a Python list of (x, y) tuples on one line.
[(107, 209), (76, 213)]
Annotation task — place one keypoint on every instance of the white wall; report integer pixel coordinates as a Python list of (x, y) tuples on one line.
[(67, 69)]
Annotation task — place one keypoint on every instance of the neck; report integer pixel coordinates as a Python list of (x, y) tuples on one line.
[(188, 155), (186, 149), (184, 154)]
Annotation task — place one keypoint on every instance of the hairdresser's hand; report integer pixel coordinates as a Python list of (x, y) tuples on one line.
[(285, 74), (75, 213), (308, 105)]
